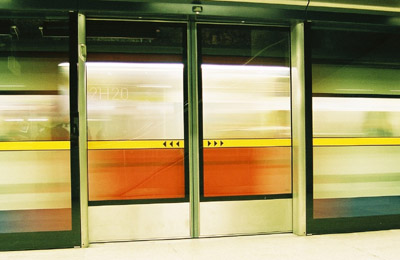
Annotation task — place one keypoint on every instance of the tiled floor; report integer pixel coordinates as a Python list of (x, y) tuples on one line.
[(365, 246)]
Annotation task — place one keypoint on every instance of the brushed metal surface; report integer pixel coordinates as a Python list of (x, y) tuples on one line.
[(245, 217), (298, 129), (138, 222), (194, 138), (82, 107)]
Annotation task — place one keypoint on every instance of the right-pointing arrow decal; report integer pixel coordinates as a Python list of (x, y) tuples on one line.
[(221, 143)]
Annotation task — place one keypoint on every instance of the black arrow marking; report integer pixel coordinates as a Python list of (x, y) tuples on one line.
[(209, 143), (221, 143), (177, 143), (165, 144), (171, 144), (215, 143)]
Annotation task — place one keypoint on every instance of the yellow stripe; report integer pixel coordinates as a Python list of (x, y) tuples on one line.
[(142, 144), (226, 143), (214, 143), (355, 141), (211, 143), (34, 146)]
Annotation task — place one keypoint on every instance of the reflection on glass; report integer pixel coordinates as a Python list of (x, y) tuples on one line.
[(29, 109), (246, 101), (245, 96), (135, 96), (130, 101), (35, 184)]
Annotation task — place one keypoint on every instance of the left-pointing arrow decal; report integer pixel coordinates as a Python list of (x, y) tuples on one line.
[(177, 143), (165, 144), (171, 144)]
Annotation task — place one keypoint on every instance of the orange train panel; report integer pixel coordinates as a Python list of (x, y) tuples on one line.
[(247, 171), (136, 174)]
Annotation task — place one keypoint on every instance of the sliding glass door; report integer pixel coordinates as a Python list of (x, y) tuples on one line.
[(136, 130), (246, 180)]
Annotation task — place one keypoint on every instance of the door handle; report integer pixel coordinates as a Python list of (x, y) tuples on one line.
[(82, 52)]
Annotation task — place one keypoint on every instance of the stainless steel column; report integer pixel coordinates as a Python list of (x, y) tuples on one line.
[(298, 128), (194, 139), (82, 108)]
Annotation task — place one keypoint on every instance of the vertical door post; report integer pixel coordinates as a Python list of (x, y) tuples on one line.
[(298, 128), (77, 74), (82, 109), (194, 139)]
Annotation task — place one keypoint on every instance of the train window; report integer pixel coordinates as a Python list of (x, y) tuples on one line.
[(135, 110), (246, 111), (35, 180), (356, 129)]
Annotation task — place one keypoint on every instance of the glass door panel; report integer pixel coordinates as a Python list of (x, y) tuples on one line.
[(355, 129), (136, 127), (35, 175), (246, 111), (133, 109), (245, 78)]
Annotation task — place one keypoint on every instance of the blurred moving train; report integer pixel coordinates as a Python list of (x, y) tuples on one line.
[(140, 119)]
